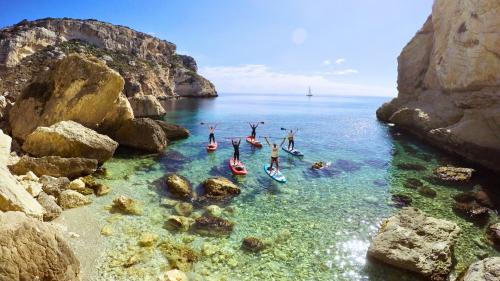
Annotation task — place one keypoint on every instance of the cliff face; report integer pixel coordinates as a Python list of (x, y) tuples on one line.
[(449, 81), (148, 65)]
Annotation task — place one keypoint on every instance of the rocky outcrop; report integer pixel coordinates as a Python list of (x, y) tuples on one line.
[(219, 188), (190, 84), (146, 106), (78, 89), (173, 131), (416, 242), (179, 186), (484, 270), (147, 64), (54, 166), (49, 203), (69, 199), (32, 250), (213, 226), (69, 139), (449, 81), (126, 205), (141, 133), (13, 196)]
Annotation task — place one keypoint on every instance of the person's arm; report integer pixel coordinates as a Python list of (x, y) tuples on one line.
[(283, 141), (256, 125), (239, 142)]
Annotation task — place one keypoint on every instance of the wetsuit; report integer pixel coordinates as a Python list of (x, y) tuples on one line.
[(236, 155), (291, 142), (254, 128), (211, 137)]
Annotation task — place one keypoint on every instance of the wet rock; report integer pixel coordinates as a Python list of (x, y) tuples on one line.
[(473, 204), (179, 223), (126, 205), (412, 183), (484, 270), (252, 244), (427, 191), (141, 133), (79, 186), (413, 241), (213, 226), (146, 106), (175, 275), (411, 167), (318, 165), (220, 188), (371, 199), (69, 139), (101, 189), (184, 209), (179, 186), (453, 174), (401, 200), (71, 199), (214, 210), (55, 166), (173, 131), (32, 250), (54, 186), (147, 239), (179, 256), (49, 203), (107, 230), (347, 166), (493, 234), (98, 188)]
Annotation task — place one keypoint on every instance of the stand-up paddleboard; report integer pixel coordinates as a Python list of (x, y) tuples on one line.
[(277, 176), (212, 147), (254, 142), (293, 152), (237, 168)]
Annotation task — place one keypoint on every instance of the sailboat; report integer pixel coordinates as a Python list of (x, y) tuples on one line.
[(309, 94)]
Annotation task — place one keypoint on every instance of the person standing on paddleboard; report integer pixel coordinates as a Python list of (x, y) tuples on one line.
[(211, 137), (291, 142), (254, 128), (274, 154), (236, 155)]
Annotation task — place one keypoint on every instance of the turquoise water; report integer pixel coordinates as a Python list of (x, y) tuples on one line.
[(318, 224)]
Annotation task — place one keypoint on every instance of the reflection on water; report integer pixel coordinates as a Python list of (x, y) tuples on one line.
[(318, 225)]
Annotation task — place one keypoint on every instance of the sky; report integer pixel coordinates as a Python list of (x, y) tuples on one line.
[(337, 47)]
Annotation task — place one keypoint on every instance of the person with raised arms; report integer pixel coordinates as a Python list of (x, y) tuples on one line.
[(274, 153)]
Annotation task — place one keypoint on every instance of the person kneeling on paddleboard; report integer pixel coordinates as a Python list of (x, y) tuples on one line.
[(274, 154), (254, 128), (211, 137), (236, 155), (291, 142)]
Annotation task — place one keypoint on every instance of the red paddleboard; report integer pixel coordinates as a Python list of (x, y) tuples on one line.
[(254, 142), (211, 147), (238, 169)]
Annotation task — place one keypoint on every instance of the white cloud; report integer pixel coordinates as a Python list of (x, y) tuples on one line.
[(342, 72), (299, 36), (327, 62), (340, 61), (261, 79)]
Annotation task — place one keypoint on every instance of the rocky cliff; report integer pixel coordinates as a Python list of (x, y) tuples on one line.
[(449, 81), (149, 66)]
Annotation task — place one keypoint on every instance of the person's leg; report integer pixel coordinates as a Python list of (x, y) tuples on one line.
[(234, 157), (277, 165), (289, 143), (237, 156), (271, 166), (293, 144)]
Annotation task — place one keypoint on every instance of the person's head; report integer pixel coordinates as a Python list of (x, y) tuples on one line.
[(275, 145), (291, 131), (211, 127)]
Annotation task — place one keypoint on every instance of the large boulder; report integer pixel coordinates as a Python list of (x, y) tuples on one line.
[(190, 84), (49, 203), (146, 106), (32, 250), (54, 166), (484, 270), (173, 131), (179, 186), (77, 88), (141, 133), (413, 241), (69, 199), (69, 139), (213, 226), (13, 196), (220, 188)]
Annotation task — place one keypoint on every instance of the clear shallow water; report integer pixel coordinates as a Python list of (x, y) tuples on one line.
[(319, 224)]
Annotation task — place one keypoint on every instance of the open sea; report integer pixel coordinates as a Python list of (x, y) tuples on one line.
[(319, 224)]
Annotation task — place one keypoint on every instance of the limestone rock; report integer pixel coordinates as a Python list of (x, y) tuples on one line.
[(69, 139), (179, 186), (190, 84), (147, 239), (55, 166), (184, 209), (175, 275), (48, 202), (33, 187), (141, 133), (107, 230), (179, 256), (71, 199), (213, 226), (146, 106), (484, 270), (78, 89), (252, 244), (54, 186), (453, 174), (449, 79), (214, 210), (220, 188), (416, 242), (172, 131), (126, 205), (179, 223), (32, 250)]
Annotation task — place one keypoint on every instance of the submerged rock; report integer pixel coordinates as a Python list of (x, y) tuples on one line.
[(179, 223), (214, 210), (213, 226), (49, 203), (69, 139), (141, 133), (126, 205), (493, 234), (32, 250), (54, 166), (179, 256), (220, 188), (252, 244), (412, 183), (179, 186), (147, 239), (71, 199), (413, 241), (173, 131), (484, 270), (411, 167), (347, 165), (175, 275), (473, 204), (453, 174), (401, 200), (184, 209), (427, 191)]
